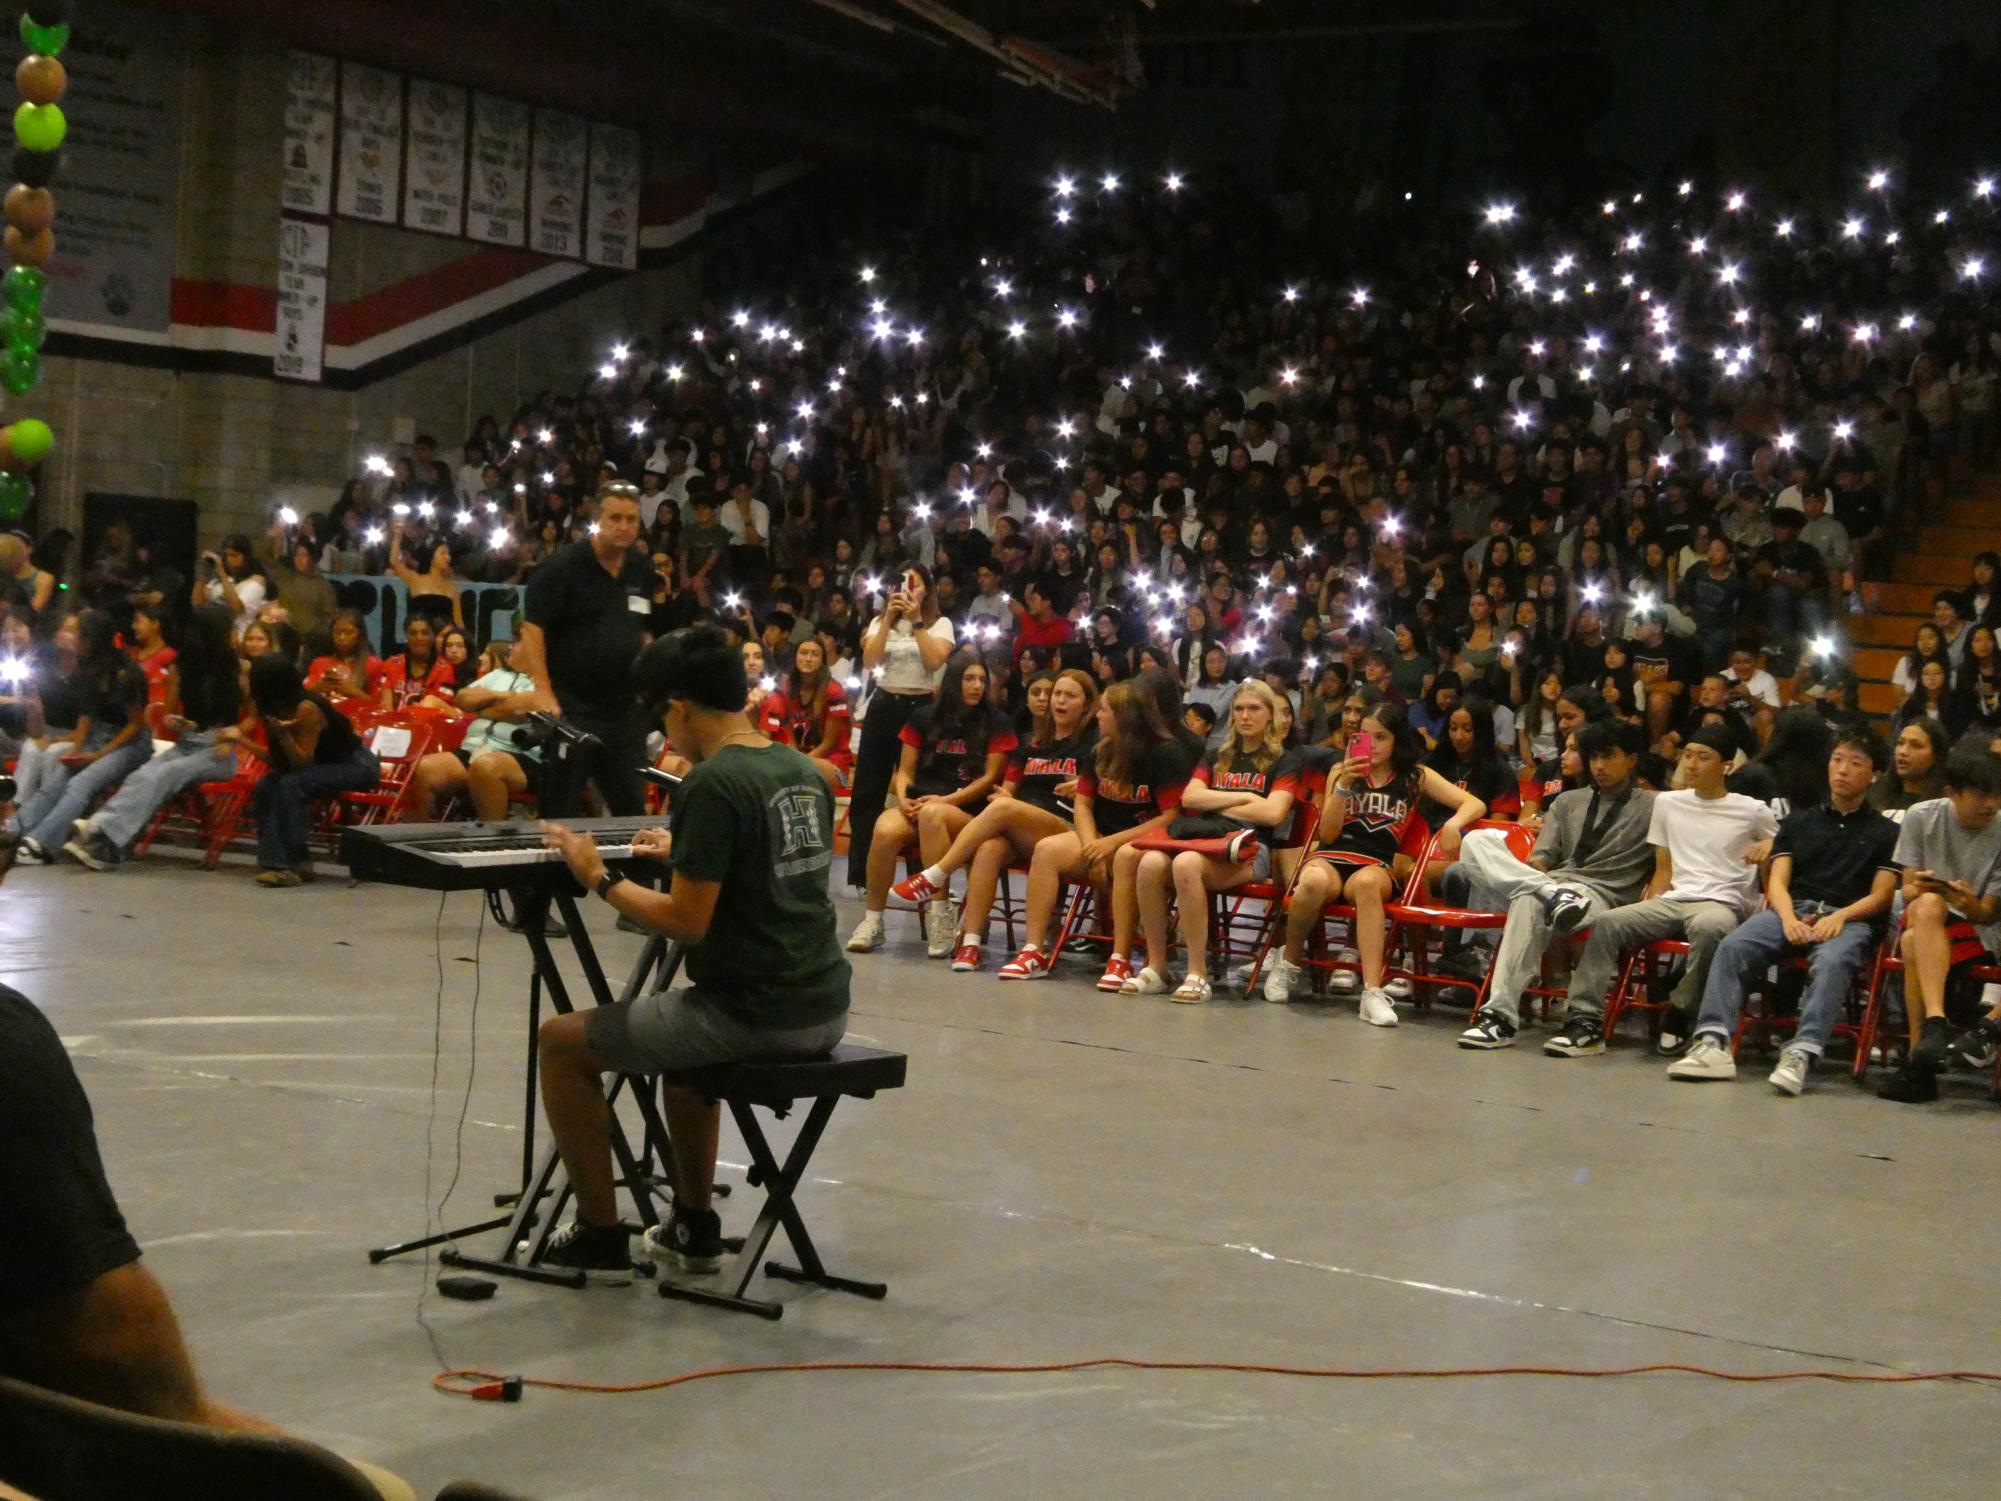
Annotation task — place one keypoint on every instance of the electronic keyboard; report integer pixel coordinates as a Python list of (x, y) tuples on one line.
[(476, 856)]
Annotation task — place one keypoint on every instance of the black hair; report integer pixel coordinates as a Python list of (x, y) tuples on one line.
[(1802, 740), (1718, 738), (1867, 742), (1587, 698), (1203, 714), (698, 663), (1971, 768), (949, 716), (275, 684), (210, 686), (1598, 737), (1406, 748)]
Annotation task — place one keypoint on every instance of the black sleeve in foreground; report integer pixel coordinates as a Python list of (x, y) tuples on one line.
[(64, 1230)]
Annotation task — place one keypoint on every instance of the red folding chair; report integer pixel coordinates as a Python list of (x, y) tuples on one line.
[(1645, 964), (1415, 924), (400, 740)]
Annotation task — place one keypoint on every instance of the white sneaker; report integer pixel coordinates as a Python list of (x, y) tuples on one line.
[(1376, 1008), (1790, 1077), (868, 934), (942, 924), (1147, 981), (1281, 979), (1706, 1058), (83, 828), (1398, 989), (1345, 979)]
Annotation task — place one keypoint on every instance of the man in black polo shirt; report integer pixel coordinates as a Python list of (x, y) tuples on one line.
[(589, 613), (1833, 874)]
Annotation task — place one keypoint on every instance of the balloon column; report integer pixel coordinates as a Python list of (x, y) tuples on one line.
[(39, 129)]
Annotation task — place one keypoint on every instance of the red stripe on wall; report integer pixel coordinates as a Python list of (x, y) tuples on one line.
[(224, 304), (427, 292)]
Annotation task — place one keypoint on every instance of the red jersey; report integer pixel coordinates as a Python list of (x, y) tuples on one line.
[(440, 682), (789, 722)]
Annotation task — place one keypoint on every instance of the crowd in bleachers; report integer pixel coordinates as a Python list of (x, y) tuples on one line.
[(1166, 538)]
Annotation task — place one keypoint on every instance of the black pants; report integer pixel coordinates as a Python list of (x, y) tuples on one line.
[(614, 769), (875, 764)]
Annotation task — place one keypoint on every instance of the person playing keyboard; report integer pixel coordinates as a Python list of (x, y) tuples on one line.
[(751, 839)]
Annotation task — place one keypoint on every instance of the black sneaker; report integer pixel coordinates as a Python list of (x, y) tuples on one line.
[(1909, 1086), (1677, 1031), (1934, 1039), (1567, 910), (1578, 1037), (1978, 1046), (1490, 1030), (92, 850), (31, 852), (692, 1239), (602, 1254)]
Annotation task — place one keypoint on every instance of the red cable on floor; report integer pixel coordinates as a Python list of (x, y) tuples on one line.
[(492, 1386)]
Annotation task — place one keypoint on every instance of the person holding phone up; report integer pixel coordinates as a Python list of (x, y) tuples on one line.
[(904, 650)]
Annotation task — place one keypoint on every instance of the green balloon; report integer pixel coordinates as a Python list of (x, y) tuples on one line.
[(24, 285), (24, 326), (40, 127), (16, 492), (19, 375), (48, 40), (32, 440)]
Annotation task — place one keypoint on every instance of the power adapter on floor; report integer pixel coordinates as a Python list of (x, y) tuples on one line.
[(466, 1289)]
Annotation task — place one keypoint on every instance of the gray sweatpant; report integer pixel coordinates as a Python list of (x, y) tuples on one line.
[(1702, 924), (1501, 883)]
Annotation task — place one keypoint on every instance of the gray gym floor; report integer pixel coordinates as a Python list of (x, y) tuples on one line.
[(1066, 1175)]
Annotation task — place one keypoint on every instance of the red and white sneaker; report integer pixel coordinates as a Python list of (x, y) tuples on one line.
[(966, 958), (1117, 969), (916, 889), (1029, 964)]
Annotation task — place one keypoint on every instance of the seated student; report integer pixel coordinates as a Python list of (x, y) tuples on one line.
[(147, 643), (1200, 719), (1251, 782), (1368, 824), (954, 751), (1832, 875), (1561, 773), (1033, 803), (1590, 856), (110, 742), (750, 842), (1949, 850), (1707, 843), (313, 750), (1712, 704), (1754, 690), (1663, 667), (1130, 785), (80, 1313), (811, 715), (205, 710), (419, 674), (349, 670), (1469, 757), (1917, 769), (490, 765)]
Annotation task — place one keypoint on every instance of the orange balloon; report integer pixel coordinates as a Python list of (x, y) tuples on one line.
[(29, 250), (41, 79), (30, 210)]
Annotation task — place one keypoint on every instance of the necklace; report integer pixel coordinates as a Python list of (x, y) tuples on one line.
[(739, 735)]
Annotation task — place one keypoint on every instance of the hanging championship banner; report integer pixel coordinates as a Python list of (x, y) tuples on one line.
[(435, 178), (556, 184), (497, 194), (309, 135), (612, 237), (371, 143), (302, 299)]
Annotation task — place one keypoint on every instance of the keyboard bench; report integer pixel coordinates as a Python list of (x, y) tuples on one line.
[(850, 1069)]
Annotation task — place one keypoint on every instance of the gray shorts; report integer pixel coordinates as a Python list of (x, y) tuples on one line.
[(685, 1028)]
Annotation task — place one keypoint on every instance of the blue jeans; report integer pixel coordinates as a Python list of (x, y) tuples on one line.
[(1783, 606), (1760, 943), (187, 763), (282, 798), (65, 793)]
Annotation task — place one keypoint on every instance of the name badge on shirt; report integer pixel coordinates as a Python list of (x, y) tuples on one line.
[(639, 604)]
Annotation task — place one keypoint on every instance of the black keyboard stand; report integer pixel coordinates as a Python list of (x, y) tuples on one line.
[(646, 1176)]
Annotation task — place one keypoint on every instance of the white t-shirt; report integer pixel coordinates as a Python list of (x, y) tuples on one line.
[(1761, 685), (732, 517), (903, 669), (250, 591), (1706, 839)]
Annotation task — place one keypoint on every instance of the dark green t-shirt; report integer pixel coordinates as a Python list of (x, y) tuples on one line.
[(761, 822)]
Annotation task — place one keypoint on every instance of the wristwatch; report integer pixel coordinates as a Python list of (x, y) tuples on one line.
[(604, 884)]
